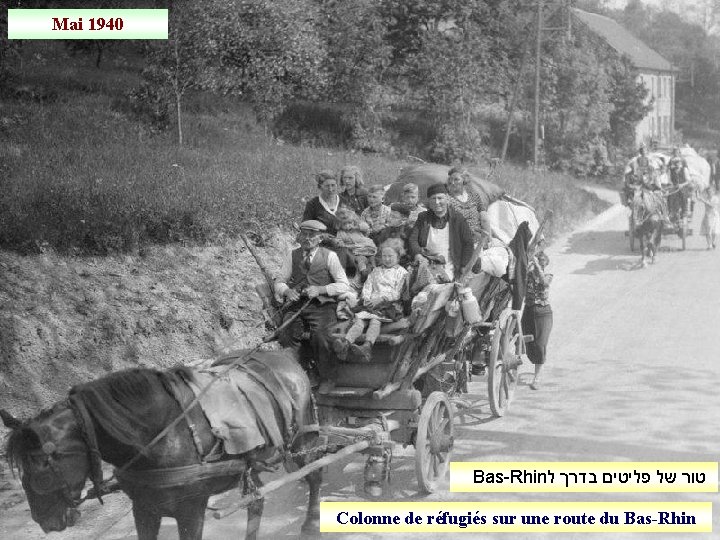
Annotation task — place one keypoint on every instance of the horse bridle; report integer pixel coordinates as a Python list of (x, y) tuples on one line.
[(50, 452)]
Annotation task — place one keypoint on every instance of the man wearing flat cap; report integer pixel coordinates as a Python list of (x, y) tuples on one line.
[(313, 272), (441, 234)]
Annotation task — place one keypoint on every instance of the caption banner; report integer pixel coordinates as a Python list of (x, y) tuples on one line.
[(584, 477), (543, 517), (535, 517), (87, 23)]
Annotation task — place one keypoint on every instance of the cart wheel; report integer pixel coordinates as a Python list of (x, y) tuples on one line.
[(507, 347), (631, 235), (683, 231), (434, 441)]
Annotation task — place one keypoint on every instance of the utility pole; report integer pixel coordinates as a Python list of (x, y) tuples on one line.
[(538, 45)]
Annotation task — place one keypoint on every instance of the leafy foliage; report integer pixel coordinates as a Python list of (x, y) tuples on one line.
[(356, 63), (267, 51)]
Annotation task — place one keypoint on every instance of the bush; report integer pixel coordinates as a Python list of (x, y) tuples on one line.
[(315, 125), (459, 143), (149, 104)]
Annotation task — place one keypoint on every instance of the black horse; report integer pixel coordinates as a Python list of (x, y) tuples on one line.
[(113, 418)]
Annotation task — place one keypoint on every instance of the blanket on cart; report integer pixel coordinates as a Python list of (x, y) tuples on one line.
[(507, 214), (250, 406)]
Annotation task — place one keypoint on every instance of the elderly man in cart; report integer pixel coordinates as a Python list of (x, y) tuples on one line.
[(311, 281), (441, 235)]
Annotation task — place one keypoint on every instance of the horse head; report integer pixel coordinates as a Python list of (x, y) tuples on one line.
[(50, 455)]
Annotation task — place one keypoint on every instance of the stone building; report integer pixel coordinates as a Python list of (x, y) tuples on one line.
[(657, 74)]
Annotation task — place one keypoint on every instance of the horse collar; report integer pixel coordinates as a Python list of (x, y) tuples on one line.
[(77, 405)]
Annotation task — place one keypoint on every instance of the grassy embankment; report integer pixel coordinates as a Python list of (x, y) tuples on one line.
[(80, 175)]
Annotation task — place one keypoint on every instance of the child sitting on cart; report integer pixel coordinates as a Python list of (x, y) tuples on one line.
[(353, 236), (380, 302)]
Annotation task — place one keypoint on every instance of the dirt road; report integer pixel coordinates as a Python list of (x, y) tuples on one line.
[(632, 376)]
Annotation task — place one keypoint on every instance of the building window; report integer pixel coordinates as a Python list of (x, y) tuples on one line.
[(659, 86)]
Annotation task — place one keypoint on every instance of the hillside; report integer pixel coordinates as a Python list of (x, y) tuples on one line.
[(67, 320), (120, 247)]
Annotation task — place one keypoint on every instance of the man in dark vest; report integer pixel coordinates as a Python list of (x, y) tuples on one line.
[(679, 176), (313, 272)]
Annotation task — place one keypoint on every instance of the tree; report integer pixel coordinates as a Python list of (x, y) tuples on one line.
[(455, 62), (356, 62), (176, 65), (267, 51), (575, 99), (627, 96)]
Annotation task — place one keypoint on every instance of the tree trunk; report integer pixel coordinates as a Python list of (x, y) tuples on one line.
[(178, 103), (99, 49)]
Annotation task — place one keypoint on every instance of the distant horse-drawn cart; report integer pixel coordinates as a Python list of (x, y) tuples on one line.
[(670, 201)]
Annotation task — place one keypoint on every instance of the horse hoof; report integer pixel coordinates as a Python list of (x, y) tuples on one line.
[(311, 528)]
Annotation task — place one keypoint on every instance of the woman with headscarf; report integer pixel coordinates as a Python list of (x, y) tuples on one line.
[(324, 207)]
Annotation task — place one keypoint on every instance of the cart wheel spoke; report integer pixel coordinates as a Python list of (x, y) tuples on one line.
[(433, 444)]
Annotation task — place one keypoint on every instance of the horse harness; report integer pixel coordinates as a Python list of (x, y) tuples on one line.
[(53, 455), (158, 478)]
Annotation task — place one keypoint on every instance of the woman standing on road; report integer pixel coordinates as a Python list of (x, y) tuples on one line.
[(711, 220), (538, 317)]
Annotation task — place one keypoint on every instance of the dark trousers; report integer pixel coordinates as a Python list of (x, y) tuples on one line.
[(678, 203), (316, 319), (537, 321)]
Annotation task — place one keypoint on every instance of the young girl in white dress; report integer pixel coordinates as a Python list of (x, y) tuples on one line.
[(711, 221), (380, 301)]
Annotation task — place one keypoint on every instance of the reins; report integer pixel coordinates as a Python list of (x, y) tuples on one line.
[(169, 476), (216, 376)]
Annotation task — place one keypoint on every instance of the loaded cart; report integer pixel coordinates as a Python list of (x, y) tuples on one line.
[(420, 366)]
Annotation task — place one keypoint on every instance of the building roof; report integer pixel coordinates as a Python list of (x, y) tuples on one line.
[(642, 56)]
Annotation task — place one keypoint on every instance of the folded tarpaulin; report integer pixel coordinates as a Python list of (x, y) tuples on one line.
[(250, 406), (431, 173)]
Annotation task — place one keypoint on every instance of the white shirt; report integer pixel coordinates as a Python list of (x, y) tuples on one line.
[(326, 207), (341, 284), (438, 242)]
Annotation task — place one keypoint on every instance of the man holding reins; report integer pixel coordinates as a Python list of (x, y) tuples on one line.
[(680, 177), (315, 273)]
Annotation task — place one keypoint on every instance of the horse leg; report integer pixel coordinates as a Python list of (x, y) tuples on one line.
[(255, 510), (147, 522), (658, 238), (190, 517), (642, 249), (305, 443), (311, 526)]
